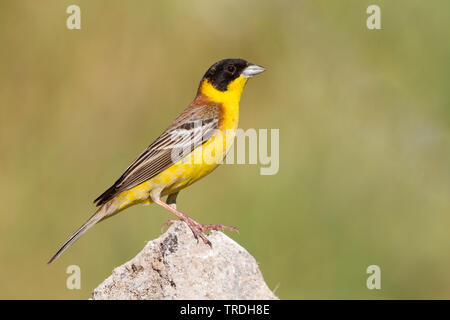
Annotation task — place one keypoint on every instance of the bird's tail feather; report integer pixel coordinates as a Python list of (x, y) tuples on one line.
[(96, 217)]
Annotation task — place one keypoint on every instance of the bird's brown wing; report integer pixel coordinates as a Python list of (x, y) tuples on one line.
[(193, 127)]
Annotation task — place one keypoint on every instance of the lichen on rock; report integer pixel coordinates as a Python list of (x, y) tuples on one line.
[(177, 266)]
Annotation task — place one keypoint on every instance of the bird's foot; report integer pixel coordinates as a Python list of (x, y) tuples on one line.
[(168, 223), (218, 227), (198, 228)]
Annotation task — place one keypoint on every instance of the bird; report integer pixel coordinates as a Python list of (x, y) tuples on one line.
[(191, 147)]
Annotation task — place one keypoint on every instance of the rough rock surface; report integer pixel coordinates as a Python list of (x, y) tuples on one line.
[(176, 266)]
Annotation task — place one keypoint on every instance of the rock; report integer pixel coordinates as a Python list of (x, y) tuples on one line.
[(176, 266)]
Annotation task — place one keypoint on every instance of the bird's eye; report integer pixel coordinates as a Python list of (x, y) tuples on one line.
[(231, 68)]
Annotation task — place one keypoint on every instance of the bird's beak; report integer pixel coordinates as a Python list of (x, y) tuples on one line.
[(252, 70)]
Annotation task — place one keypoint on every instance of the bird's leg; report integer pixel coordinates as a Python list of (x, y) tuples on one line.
[(196, 228), (172, 202)]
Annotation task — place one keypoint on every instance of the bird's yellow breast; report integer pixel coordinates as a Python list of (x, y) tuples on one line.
[(201, 160)]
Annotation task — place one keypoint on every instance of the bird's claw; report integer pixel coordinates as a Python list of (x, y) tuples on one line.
[(168, 223), (198, 229), (218, 227)]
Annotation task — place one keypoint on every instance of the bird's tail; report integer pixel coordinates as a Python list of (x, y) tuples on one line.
[(99, 215)]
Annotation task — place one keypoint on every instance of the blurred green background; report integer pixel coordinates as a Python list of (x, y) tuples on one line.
[(364, 119)]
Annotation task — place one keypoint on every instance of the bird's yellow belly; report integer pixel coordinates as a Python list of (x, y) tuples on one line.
[(197, 164), (200, 162)]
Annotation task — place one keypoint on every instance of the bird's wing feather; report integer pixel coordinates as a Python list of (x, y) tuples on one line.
[(193, 127)]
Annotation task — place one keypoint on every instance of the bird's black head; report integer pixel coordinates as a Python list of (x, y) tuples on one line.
[(221, 73)]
